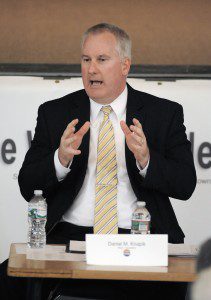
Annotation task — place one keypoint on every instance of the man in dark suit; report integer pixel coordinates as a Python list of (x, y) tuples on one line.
[(154, 159), (155, 140)]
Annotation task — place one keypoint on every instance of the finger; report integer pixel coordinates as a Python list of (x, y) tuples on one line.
[(125, 128), (68, 132), (70, 128), (83, 130), (72, 123), (69, 148), (137, 130), (137, 123), (70, 140), (75, 152)]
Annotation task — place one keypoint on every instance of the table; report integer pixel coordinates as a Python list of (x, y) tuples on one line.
[(179, 270)]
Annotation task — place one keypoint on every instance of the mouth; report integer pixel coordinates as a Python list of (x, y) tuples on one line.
[(95, 82)]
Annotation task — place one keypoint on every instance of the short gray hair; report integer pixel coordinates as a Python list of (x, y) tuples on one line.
[(122, 38)]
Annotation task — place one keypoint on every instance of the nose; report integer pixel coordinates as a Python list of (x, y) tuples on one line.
[(92, 68)]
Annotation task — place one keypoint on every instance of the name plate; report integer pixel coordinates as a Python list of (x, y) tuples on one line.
[(127, 249)]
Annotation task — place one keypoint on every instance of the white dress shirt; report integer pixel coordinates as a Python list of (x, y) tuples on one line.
[(82, 210)]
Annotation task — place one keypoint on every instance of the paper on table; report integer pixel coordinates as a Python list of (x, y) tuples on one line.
[(51, 252), (20, 248), (77, 246), (182, 250)]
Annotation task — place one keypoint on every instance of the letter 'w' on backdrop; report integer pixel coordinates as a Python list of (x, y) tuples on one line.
[(19, 100)]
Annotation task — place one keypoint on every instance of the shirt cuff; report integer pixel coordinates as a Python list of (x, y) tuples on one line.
[(143, 171), (61, 171)]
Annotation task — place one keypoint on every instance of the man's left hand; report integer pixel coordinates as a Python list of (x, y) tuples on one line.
[(136, 141)]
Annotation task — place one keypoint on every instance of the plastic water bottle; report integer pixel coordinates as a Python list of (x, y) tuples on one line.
[(37, 217), (140, 219)]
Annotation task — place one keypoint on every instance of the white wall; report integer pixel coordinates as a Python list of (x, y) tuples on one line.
[(19, 101)]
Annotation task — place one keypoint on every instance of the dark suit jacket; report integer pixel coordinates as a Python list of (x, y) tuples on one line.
[(171, 171)]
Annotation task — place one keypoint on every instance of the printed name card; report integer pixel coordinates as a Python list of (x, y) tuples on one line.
[(127, 249)]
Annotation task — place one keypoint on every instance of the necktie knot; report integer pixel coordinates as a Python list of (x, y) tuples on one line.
[(106, 110)]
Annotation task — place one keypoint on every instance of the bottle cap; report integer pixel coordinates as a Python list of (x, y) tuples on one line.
[(141, 203), (38, 192)]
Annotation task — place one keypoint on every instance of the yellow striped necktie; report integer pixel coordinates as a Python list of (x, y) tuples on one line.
[(105, 221)]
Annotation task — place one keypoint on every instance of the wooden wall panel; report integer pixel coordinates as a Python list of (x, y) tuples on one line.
[(172, 32)]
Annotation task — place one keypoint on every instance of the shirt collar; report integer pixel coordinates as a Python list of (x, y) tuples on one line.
[(118, 106)]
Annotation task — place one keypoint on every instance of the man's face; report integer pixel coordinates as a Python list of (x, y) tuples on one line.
[(103, 72)]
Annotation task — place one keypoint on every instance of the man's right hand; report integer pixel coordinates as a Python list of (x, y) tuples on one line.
[(71, 141)]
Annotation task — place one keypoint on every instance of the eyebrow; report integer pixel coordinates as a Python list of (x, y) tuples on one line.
[(84, 55), (103, 55), (99, 56)]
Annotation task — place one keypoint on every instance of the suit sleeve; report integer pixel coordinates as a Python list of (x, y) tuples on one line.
[(172, 171), (38, 171)]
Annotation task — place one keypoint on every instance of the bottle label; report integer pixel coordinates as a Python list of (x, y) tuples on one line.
[(32, 213), (41, 213), (140, 225), (35, 213)]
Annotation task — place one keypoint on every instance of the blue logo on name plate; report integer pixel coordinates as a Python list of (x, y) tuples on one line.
[(126, 252)]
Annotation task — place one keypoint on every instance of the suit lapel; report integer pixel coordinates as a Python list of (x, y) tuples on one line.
[(135, 109), (80, 109)]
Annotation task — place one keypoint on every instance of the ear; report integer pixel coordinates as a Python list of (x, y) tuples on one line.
[(126, 66)]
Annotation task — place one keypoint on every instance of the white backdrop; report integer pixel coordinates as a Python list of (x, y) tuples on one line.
[(19, 101)]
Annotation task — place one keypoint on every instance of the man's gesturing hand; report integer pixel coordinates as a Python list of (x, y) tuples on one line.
[(71, 141), (136, 141)]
